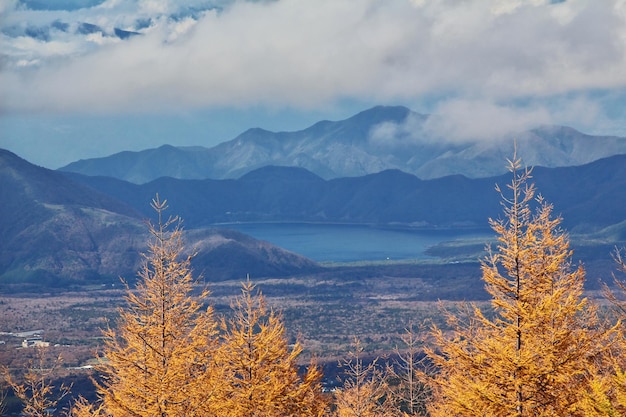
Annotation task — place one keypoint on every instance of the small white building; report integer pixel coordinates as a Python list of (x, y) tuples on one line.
[(34, 341)]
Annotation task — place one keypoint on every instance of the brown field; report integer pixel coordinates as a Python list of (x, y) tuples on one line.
[(325, 312)]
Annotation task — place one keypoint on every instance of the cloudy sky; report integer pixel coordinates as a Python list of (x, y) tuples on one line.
[(88, 78)]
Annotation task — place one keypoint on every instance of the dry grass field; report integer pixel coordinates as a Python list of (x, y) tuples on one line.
[(325, 311)]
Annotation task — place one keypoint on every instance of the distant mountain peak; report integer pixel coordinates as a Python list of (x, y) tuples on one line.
[(374, 140), (383, 113), (6, 155), (257, 131), (168, 147)]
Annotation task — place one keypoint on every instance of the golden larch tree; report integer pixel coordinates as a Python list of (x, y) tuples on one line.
[(608, 395), (406, 374), (35, 388), (365, 391), (537, 354), (157, 360), (259, 367), (83, 408)]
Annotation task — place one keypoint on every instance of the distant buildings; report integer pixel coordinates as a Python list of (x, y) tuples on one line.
[(34, 341), (31, 338)]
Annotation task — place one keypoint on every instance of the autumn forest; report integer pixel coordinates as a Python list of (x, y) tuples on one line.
[(541, 347)]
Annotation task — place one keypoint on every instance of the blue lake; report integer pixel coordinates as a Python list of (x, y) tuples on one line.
[(351, 243)]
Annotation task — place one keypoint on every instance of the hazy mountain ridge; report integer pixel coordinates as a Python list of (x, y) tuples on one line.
[(589, 197), (372, 141), (56, 231), (61, 228)]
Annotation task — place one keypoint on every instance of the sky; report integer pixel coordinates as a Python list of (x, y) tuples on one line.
[(88, 78)]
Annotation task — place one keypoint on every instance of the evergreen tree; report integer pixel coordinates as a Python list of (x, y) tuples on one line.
[(259, 368), (157, 361), (539, 352)]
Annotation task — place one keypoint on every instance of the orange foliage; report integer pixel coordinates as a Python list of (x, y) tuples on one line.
[(258, 368), (536, 356)]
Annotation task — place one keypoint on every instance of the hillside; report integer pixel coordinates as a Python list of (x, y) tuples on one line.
[(57, 232), (589, 197), (64, 228), (369, 142)]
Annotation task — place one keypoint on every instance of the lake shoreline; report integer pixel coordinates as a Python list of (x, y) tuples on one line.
[(382, 226), (333, 243)]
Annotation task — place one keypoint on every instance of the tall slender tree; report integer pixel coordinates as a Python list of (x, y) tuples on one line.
[(537, 354), (35, 388), (608, 395), (156, 361), (3, 396), (259, 367), (406, 374), (365, 391)]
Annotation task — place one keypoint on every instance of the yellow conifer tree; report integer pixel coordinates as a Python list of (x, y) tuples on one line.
[(537, 354), (3, 396), (608, 394), (82, 408), (365, 392), (34, 388), (258, 366), (157, 361), (407, 374)]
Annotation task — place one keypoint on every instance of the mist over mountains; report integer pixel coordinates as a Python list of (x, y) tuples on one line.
[(61, 227), (378, 139)]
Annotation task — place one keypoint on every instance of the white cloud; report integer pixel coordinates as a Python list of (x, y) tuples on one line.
[(8, 5), (510, 6), (309, 54), (470, 120), (462, 120), (394, 135)]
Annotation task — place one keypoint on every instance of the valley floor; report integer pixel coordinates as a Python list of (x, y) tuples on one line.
[(325, 311)]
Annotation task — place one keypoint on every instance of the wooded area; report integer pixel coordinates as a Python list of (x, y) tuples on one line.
[(543, 350)]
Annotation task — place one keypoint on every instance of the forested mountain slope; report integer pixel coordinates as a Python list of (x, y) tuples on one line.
[(589, 197), (56, 231)]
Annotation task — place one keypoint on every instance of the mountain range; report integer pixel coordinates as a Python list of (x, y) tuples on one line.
[(59, 232), (65, 227), (375, 140), (590, 197), (61, 228), (45, 33)]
